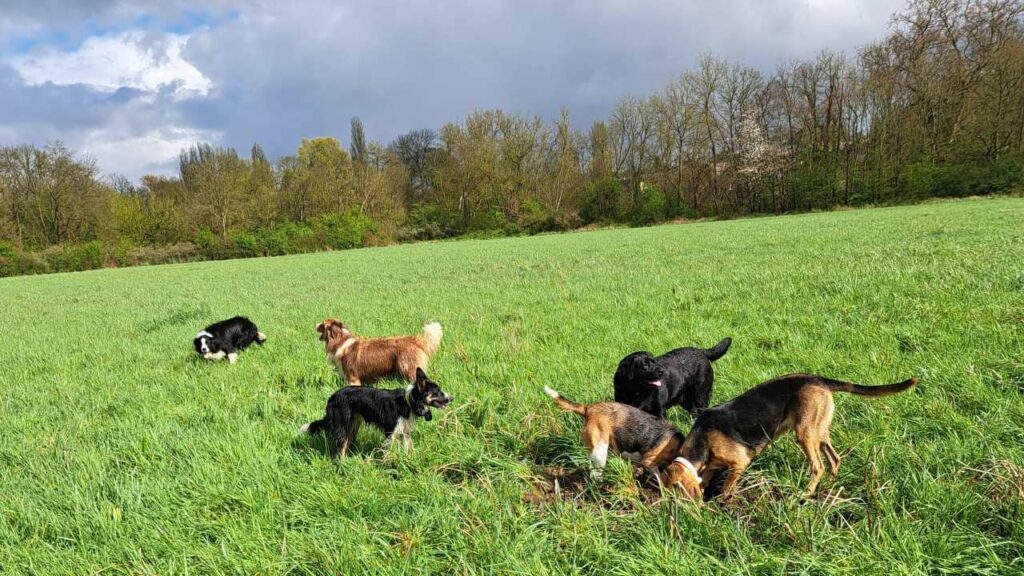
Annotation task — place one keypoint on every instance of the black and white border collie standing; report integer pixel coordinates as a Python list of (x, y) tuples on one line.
[(226, 338), (393, 412)]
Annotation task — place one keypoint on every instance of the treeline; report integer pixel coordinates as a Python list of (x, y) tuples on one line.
[(934, 109)]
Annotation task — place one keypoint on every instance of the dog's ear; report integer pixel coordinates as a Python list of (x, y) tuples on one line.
[(629, 366), (421, 378)]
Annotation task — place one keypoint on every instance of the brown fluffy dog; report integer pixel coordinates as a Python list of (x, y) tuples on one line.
[(725, 439), (359, 359)]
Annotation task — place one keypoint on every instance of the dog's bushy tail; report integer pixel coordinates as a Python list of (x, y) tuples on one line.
[(883, 390), (314, 427), (565, 403), (430, 340), (718, 350)]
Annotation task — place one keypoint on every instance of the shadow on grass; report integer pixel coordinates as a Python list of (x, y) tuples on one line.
[(311, 446)]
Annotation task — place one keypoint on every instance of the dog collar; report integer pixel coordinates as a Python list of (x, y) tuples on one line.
[(689, 466), (204, 333)]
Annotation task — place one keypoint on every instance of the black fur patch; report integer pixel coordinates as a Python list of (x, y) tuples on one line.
[(640, 432)]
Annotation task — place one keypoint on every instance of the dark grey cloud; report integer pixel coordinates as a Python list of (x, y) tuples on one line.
[(282, 71)]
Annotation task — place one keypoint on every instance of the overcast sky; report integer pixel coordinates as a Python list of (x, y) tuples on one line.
[(131, 82)]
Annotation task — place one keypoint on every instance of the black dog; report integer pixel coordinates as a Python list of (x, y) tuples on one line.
[(392, 411), (226, 338), (682, 377)]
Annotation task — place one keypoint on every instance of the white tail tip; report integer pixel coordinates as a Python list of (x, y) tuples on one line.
[(304, 428), (433, 328), (550, 392)]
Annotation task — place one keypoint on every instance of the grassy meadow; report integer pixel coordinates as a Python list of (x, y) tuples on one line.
[(123, 453)]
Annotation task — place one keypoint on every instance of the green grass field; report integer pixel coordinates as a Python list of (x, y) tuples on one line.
[(123, 453)]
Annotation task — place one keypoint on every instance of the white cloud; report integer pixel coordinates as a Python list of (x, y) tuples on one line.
[(130, 59), (153, 152)]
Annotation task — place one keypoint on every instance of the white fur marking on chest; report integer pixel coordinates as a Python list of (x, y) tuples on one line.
[(404, 426), (341, 349)]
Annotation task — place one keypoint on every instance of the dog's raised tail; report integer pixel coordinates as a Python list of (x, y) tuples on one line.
[(883, 390), (565, 403), (718, 350), (432, 333), (313, 427)]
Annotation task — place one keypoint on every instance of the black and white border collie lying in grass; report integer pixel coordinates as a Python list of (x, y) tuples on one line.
[(393, 412), (226, 338)]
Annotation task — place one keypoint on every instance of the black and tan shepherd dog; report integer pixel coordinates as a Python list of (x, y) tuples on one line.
[(726, 438)]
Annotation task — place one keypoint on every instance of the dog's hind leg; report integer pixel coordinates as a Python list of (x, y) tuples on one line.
[(598, 459), (408, 363), (811, 446), (811, 443), (351, 432), (833, 457), (825, 427), (340, 419), (597, 446), (813, 411), (352, 379)]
